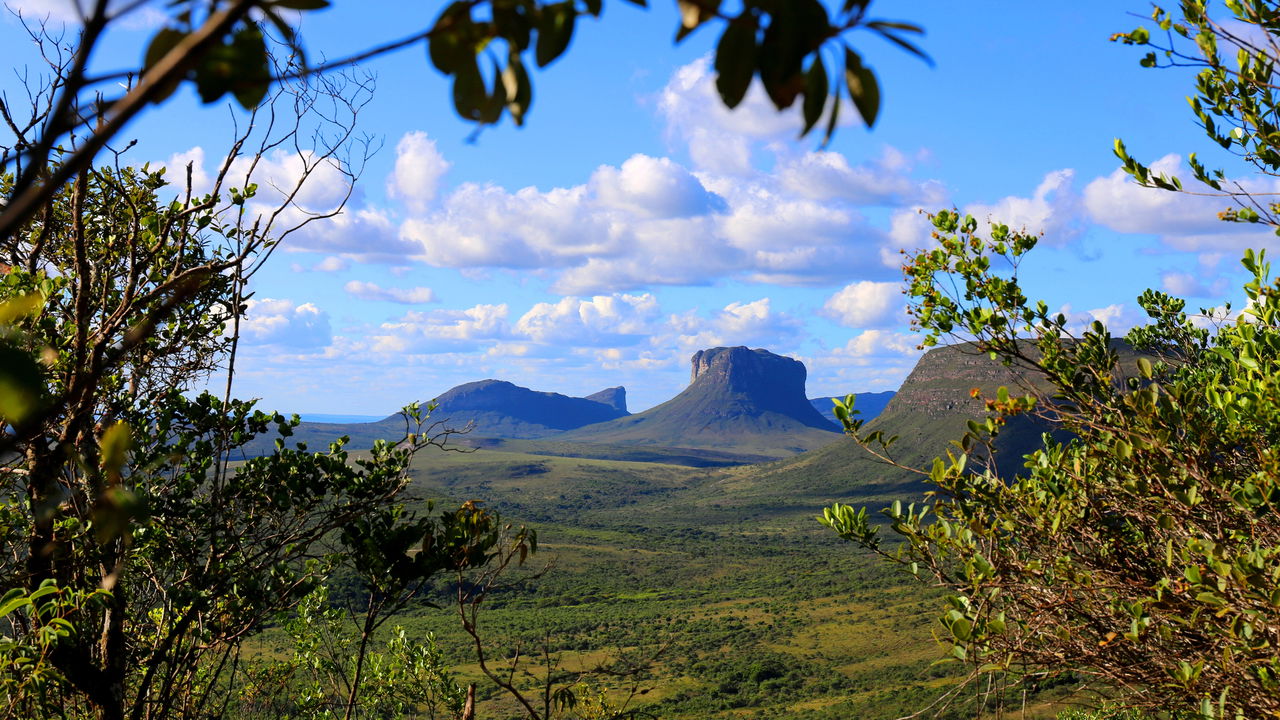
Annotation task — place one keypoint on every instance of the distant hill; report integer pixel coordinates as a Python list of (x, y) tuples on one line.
[(737, 399), (497, 408), (338, 418), (493, 409), (868, 405), (927, 413)]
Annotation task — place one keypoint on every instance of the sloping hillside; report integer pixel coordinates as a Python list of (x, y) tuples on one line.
[(738, 398)]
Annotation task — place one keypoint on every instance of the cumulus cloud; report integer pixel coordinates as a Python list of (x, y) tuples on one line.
[(487, 226), (649, 222), (295, 214), (866, 304), (1182, 221), (646, 222), (599, 320), (406, 296), (67, 11), (332, 263), (752, 323), (1054, 209), (1184, 284), (175, 170), (1118, 318), (418, 171), (442, 330), (823, 175), (654, 188), (284, 323), (719, 139), (872, 360)]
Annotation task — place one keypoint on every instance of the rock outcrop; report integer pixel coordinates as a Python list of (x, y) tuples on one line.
[(737, 398), (614, 397)]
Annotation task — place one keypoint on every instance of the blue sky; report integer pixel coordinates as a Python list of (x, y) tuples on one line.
[(633, 221)]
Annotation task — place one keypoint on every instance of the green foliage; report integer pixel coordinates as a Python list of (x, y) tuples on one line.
[(1144, 548), (402, 678), (136, 557), (1235, 97), (1103, 713), (36, 623)]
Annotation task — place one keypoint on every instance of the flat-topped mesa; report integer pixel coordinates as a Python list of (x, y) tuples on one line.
[(772, 382), (614, 397), (748, 400)]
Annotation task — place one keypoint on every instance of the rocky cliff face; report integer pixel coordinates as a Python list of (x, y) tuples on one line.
[(614, 397), (753, 382), (737, 398), (939, 384)]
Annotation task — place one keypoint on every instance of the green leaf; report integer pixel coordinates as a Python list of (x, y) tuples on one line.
[(253, 70), (512, 25), (13, 600), (519, 90), (736, 60), (164, 41), (21, 306), (116, 443), (21, 385), (469, 93), (555, 30), (301, 4), (863, 88), (816, 88), (447, 45), (832, 119), (882, 28), (161, 44), (693, 14), (495, 100)]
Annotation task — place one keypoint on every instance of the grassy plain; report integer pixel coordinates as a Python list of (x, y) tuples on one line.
[(751, 609)]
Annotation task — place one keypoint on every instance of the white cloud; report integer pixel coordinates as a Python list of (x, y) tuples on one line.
[(439, 331), (1053, 209), (175, 171), (332, 263), (752, 323), (66, 11), (1118, 318), (284, 323), (867, 304), (654, 188), (1183, 221), (359, 231), (651, 222), (406, 296), (871, 361), (487, 226), (1184, 285), (418, 171), (720, 139), (823, 175), (682, 251), (909, 231), (600, 320)]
